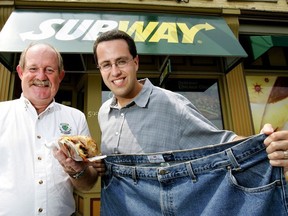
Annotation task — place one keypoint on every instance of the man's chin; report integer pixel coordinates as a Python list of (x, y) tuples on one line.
[(41, 98)]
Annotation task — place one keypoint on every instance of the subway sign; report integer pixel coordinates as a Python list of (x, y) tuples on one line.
[(154, 34)]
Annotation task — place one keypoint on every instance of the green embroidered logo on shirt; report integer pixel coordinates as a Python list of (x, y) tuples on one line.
[(65, 128)]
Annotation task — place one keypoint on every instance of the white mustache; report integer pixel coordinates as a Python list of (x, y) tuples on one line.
[(42, 83)]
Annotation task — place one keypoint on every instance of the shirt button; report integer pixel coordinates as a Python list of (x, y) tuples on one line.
[(122, 114), (38, 137), (39, 158), (117, 133), (40, 182), (40, 209)]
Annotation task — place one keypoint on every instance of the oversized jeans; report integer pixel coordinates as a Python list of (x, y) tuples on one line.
[(228, 179)]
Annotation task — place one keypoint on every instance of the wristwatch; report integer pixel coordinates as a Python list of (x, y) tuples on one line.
[(78, 174)]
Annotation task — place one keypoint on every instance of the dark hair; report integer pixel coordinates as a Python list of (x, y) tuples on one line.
[(115, 35)]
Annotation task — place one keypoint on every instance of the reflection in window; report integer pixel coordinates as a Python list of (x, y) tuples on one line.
[(203, 93)]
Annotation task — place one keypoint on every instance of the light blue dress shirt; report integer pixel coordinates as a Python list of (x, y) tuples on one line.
[(156, 120)]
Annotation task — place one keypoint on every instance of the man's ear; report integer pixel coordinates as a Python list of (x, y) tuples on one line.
[(136, 60), (19, 71), (62, 75)]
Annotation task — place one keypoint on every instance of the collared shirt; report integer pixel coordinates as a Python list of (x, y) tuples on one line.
[(156, 120), (32, 182)]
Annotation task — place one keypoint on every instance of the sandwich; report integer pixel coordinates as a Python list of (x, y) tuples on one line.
[(79, 147)]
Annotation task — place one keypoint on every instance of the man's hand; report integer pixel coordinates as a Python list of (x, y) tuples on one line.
[(277, 146), (99, 165), (69, 165), (84, 174)]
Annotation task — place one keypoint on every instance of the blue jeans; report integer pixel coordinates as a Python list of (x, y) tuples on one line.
[(226, 179)]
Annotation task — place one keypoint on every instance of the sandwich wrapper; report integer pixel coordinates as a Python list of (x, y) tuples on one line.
[(72, 152)]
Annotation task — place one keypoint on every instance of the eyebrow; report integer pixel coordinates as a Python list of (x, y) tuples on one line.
[(117, 59)]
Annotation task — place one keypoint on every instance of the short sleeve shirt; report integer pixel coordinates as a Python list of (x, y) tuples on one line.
[(32, 182), (156, 120)]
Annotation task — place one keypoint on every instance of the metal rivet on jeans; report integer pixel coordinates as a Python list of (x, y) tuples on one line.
[(163, 172), (228, 167)]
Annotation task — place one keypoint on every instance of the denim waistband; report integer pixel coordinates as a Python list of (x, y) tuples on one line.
[(235, 155)]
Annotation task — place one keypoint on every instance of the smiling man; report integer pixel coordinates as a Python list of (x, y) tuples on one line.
[(146, 133), (41, 75), (120, 82), (41, 178)]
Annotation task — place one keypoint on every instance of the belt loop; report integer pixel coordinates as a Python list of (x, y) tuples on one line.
[(134, 175), (190, 171), (109, 169), (232, 159)]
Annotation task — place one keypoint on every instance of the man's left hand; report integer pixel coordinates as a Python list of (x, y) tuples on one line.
[(277, 146)]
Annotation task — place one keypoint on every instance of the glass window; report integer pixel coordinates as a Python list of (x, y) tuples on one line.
[(203, 93), (268, 97)]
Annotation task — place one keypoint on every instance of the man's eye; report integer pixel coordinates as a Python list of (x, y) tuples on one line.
[(121, 62), (32, 69), (106, 66), (49, 70)]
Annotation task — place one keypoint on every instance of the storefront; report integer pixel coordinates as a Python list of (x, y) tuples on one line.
[(267, 80), (196, 55), (171, 49)]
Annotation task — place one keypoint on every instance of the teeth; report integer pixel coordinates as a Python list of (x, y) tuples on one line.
[(118, 81), (40, 83)]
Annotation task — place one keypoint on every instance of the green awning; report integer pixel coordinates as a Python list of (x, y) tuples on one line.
[(74, 33), (261, 44)]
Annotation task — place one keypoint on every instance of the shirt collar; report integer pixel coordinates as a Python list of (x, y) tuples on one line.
[(141, 99), (28, 105)]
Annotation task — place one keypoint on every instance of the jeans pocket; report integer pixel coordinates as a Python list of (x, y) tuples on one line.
[(106, 181), (258, 178)]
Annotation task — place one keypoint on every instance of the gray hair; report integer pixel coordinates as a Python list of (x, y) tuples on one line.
[(59, 57)]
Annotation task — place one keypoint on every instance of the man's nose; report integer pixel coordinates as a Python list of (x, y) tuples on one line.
[(115, 71), (41, 72)]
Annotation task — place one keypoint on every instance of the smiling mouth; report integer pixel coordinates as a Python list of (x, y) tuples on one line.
[(40, 83), (118, 82)]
